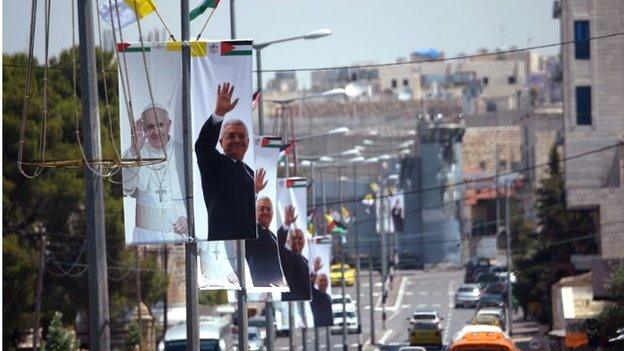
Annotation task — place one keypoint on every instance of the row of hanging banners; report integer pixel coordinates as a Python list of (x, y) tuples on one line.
[(236, 194)]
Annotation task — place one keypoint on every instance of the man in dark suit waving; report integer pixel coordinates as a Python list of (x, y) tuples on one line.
[(294, 264), (262, 254), (227, 182)]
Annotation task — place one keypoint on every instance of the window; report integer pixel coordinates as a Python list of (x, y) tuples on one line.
[(581, 40), (483, 165), (583, 105), (393, 83), (511, 80), (486, 80), (353, 77), (490, 106), (405, 83)]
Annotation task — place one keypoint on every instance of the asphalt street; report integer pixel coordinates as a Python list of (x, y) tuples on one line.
[(411, 290)]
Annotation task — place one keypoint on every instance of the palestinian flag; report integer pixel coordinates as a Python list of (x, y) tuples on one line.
[(133, 47), (202, 7), (285, 150), (334, 226), (125, 12), (271, 141), (296, 182), (236, 48)]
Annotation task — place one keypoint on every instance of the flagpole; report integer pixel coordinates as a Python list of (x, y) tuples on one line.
[(192, 322)]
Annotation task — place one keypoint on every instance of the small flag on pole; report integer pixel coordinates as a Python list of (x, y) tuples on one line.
[(125, 12), (202, 7)]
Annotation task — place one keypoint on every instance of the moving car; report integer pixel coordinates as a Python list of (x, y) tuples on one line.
[(214, 335), (467, 295), (349, 303), (486, 319), (336, 275), (428, 316), (425, 334), (491, 300), (493, 311), (349, 317), (260, 323)]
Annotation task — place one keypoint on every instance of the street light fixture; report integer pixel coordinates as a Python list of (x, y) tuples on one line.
[(258, 47)]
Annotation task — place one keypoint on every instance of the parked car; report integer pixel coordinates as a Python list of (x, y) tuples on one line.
[(428, 316), (336, 274), (467, 295), (349, 317), (425, 334), (260, 323), (214, 335)]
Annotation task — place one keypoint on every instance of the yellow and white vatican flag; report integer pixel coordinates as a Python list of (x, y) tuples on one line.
[(120, 13)]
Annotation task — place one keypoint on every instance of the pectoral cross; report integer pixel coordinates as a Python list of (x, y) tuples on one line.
[(160, 192), (216, 252)]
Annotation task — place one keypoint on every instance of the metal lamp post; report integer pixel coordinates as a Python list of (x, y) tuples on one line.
[(258, 48)]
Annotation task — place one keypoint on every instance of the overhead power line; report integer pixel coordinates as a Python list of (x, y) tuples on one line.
[(387, 64)]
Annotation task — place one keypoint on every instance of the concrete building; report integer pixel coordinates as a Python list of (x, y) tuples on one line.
[(593, 87)]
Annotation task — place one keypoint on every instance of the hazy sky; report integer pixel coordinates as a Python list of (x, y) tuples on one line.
[(364, 30)]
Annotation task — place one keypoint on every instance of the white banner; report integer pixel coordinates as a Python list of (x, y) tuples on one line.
[(154, 193), (293, 246)]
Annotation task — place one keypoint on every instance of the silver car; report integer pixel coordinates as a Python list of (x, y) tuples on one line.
[(467, 295)]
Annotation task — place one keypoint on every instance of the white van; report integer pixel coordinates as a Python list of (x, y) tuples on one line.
[(214, 335)]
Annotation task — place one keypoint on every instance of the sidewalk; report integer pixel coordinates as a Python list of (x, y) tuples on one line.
[(526, 330)]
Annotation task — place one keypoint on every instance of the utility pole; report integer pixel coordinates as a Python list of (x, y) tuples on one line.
[(370, 299), (99, 319), (509, 262), (240, 244), (137, 281), (496, 160), (343, 257), (39, 291), (166, 299), (192, 319), (384, 261), (317, 345), (357, 260)]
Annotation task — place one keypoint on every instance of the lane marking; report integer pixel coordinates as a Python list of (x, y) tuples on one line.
[(386, 335), (422, 305), (423, 293), (406, 306), (446, 332), (436, 305)]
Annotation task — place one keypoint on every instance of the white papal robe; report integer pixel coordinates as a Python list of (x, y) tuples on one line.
[(158, 190)]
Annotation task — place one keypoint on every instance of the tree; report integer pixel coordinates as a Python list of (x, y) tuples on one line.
[(542, 258), (611, 317), (56, 199), (59, 337)]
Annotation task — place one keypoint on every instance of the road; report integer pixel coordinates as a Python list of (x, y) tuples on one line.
[(411, 290)]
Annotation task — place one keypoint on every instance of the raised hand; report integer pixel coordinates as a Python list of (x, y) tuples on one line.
[(318, 264), (181, 226), (289, 217), (224, 99), (259, 182), (141, 136)]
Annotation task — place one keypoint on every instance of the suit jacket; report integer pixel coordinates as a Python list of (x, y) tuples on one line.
[(296, 271), (228, 187), (321, 305), (263, 259)]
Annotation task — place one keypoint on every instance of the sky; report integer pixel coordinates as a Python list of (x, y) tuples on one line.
[(363, 30)]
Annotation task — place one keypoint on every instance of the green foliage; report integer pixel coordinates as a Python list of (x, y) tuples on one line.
[(133, 336), (18, 294), (611, 318), (59, 337), (56, 200), (537, 255), (212, 297)]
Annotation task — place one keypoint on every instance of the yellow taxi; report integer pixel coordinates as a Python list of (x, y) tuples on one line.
[(336, 275), (486, 319), (425, 334)]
